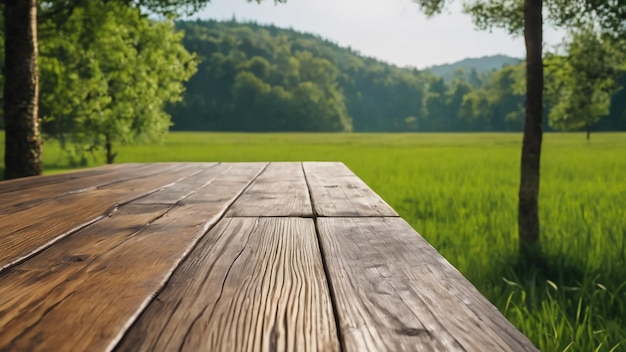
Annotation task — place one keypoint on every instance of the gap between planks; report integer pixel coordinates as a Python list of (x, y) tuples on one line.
[(7, 263), (252, 284), (122, 342), (329, 284), (332, 292), (115, 343), (85, 336)]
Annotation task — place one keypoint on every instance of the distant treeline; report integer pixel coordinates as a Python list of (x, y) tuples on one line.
[(263, 78)]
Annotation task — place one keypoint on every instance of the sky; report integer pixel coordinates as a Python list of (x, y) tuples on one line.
[(390, 30)]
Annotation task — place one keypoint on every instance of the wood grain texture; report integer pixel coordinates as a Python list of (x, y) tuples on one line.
[(26, 183), (250, 285), (28, 231), (22, 199), (336, 191), (394, 292), (187, 186), (82, 293), (281, 190), (127, 257)]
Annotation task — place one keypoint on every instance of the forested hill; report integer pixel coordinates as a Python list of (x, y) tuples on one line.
[(263, 78), (483, 64)]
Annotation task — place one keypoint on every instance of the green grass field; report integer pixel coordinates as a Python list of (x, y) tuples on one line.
[(460, 192)]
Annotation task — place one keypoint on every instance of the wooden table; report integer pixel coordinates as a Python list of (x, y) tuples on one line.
[(227, 257)]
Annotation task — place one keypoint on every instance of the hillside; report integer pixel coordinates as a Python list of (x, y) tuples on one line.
[(264, 78), (481, 65)]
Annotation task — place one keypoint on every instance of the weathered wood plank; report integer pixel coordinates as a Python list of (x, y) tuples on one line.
[(21, 199), (28, 231), (394, 292), (82, 293), (33, 292), (336, 191), (185, 187), (26, 183), (280, 191), (250, 285)]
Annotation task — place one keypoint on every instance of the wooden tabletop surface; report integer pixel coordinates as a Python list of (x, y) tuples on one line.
[(227, 257)]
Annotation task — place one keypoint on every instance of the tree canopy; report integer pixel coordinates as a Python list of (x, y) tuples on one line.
[(106, 73), (23, 144), (583, 81), (108, 80)]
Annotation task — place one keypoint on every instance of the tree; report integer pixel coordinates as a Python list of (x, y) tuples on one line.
[(506, 13), (498, 104), (527, 15), (21, 89), (107, 81), (318, 97), (248, 93), (436, 107), (456, 94), (528, 206), (583, 82)]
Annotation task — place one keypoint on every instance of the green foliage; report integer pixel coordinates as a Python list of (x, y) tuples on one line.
[(582, 83), (607, 16), (509, 14), (505, 14), (617, 115), (314, 84), (499, 102), (431, 7), (459, 191), (473, 69), (261, 78), (107, 74), (252, 80), (359, 94)]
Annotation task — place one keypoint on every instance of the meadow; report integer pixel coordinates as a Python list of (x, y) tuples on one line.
[(459, 191)]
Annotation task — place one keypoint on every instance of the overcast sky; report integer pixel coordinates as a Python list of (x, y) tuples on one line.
[(391, 30)]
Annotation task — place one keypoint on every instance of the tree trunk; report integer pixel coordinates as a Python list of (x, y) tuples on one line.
[(588, 132), (528, 216), (22, 156), (108, 145)]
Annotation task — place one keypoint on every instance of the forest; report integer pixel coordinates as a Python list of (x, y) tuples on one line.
[(138, 78), (263, 78)]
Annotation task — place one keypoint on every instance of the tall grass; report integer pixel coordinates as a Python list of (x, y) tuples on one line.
[(460, 192)]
